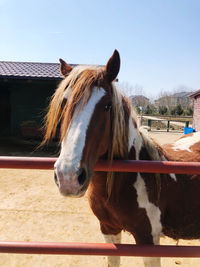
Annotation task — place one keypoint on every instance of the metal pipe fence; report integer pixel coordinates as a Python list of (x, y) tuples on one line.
[(115, 166), (102, 249)]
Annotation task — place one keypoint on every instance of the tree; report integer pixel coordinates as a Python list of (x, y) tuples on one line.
[(130, 90), (175, 97), (164, 100), (179, 109), (138, 109), (148, 110), (173, 111), (162, 110), (189, 111)]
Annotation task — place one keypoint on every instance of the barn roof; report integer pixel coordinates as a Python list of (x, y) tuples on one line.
[(195, 94), (29, 70)]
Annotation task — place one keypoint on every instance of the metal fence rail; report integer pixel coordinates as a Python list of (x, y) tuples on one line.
[(102, 249), (97, 249), (117, 165)]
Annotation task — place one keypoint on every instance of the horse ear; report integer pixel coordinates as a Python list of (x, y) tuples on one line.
[(113, 66), (64, 68)]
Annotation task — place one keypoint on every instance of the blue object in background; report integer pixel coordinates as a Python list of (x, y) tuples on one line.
[(188, 130)]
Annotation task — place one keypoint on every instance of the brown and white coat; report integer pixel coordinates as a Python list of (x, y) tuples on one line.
[(98, 123)]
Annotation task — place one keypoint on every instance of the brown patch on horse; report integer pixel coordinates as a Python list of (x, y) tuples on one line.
[(182, 155), (173, 153)]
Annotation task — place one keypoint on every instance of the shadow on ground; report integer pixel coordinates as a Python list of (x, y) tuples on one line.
[(16, 146)]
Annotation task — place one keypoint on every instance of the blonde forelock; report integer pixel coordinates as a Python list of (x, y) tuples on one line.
[(76, 84)]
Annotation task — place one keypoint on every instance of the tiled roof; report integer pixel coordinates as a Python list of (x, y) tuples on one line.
[(30, 70), (195, 94)]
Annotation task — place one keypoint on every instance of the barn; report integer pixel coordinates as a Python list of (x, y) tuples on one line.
[(196, 115), (25, 89)]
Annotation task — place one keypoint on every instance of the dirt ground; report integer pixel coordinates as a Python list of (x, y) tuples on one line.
[(31, 209), (165, 137)]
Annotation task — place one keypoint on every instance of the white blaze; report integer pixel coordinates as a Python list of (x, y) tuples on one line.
[(74, 142)]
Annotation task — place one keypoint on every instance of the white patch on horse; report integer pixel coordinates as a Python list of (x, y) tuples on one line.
[(134, 138), (152, 211), (113, 261), (172, 175), (186, 142), (132, 133), (74, 142)]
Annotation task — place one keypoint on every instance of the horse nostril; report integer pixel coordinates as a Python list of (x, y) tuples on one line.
[(82, 176), (56, 179)]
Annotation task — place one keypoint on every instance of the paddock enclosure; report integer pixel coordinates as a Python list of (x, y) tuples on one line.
[(31, 209)]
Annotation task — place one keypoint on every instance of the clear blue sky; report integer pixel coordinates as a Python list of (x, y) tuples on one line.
[(158, 40)]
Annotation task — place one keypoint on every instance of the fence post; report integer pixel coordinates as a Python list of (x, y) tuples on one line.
[(187, 124), (168, 125), (149, 124)]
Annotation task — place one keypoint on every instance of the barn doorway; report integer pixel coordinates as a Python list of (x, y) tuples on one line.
[(5, 112)]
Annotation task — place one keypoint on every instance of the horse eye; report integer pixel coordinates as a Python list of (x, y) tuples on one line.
[(108, 107)]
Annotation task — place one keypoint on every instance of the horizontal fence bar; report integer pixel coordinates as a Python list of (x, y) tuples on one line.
[(102, 249), (27, 163), (116, 166), (99, 249)]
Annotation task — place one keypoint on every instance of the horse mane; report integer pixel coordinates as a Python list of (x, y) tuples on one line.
[(154, 150), (78, 87), (118, 148)]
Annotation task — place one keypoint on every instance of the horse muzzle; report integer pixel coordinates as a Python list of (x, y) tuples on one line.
[(72, 184)]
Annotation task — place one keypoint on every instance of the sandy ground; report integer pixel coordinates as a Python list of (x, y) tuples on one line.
[(165, 137), (31, 209)]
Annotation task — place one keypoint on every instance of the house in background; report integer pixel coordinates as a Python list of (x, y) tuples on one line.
[(196, 114), (139, 101), (25, 90), (172, 100)]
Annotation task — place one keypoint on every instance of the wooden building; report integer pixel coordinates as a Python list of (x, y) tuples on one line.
[(196, 115), (25, 90)]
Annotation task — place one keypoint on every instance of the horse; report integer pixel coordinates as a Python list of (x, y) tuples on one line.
[(97, 122)]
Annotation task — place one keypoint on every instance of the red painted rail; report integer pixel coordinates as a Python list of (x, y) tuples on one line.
[(99, 249), (102, 249), (117, 165)]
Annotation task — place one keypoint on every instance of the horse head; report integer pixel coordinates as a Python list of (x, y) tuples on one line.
[(85, 122)]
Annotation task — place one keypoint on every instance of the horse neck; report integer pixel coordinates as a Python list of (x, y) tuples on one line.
[(135, 140), (139, 140), (154, 150)]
